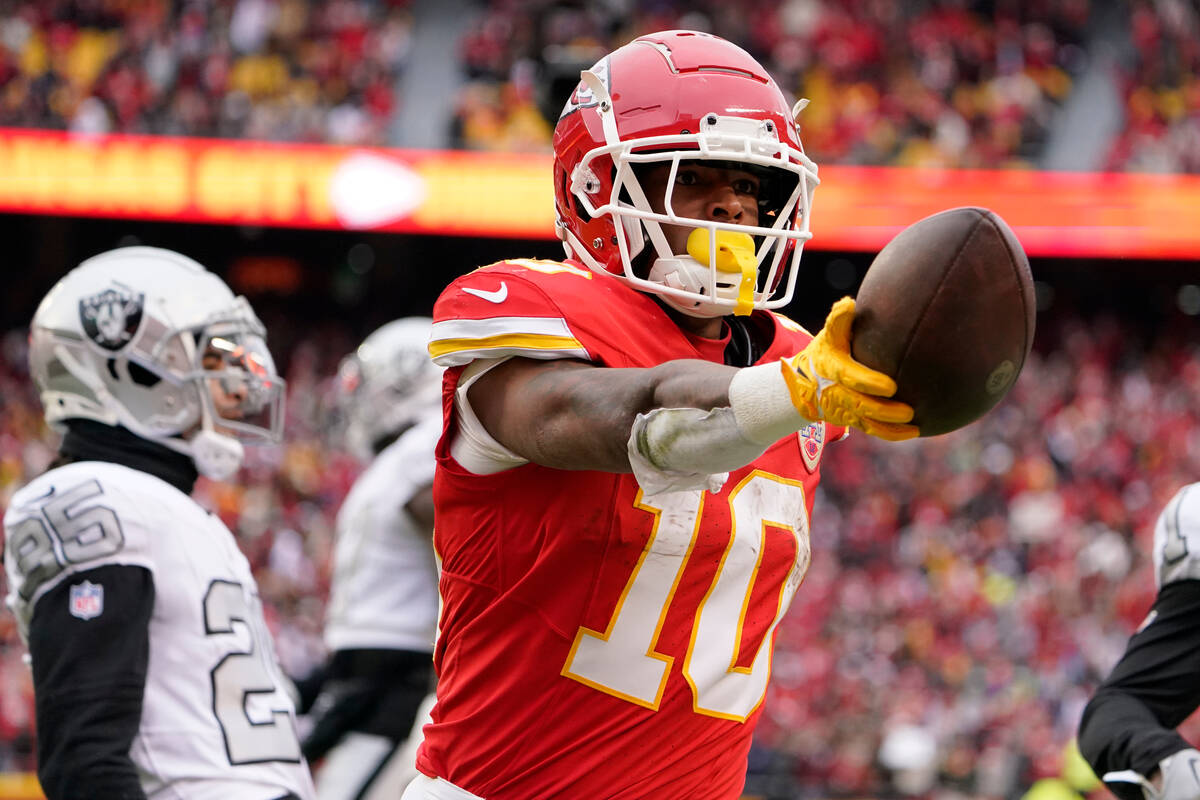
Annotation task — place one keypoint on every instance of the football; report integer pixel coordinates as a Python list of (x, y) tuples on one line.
[(947, 310)]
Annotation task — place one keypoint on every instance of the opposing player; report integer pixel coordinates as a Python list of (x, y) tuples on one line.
[(153, 671), (632, 444), (1127, 732), (383, 601)]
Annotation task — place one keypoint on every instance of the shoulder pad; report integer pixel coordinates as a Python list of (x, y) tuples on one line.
[(1177, 538), (71, 518), (505, 310)]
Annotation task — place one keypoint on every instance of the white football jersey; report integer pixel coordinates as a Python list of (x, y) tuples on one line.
[(1177, 538), (384, 592), (216, 723)]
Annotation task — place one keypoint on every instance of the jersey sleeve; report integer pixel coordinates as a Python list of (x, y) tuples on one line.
[(70, 519), (89, 675), (1177, 538), (1129, 723), (506, 310), (415, 455)]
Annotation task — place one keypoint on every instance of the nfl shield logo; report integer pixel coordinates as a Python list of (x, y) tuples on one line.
[(812, 442), (87, 600)]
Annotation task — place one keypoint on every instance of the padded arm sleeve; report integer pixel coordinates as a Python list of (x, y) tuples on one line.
[(88, 677), (1130, 722)]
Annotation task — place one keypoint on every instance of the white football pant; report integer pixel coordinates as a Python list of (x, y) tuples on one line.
[(365, 766)]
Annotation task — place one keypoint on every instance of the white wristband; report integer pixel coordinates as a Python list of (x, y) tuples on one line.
[(762, 405)]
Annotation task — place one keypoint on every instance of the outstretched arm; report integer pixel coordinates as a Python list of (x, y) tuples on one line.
[(1130, 722), (685, 416), (574, 415)]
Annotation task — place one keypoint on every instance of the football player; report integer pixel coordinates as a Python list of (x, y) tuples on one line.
[(632, 443), (383, 600), (154, 674), (1127, 732)]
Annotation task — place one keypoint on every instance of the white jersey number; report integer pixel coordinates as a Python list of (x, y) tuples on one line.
[(245, 672), (63, 529), (622, 660)]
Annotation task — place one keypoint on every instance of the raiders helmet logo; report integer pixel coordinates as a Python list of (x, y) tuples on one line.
[(111, 318)]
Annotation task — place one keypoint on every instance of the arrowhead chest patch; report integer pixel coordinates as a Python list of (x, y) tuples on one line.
[(812, 444)]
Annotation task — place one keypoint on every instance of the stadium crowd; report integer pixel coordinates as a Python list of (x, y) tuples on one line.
[(1161, 89), (910, 84), (260, 69), (956, 84), (941, 84), (965, 595)]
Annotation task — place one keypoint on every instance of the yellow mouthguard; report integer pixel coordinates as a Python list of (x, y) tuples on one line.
[(735, 253)]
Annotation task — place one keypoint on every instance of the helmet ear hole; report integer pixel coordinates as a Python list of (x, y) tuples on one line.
[(112, 368), (141, 376), (577, 206)]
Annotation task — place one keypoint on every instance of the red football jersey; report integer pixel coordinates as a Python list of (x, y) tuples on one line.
[(594, 642)]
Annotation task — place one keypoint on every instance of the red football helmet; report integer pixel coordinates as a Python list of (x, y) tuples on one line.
[(672, 97)]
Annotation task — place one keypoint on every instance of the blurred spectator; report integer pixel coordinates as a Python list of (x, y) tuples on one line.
[(958, 83), (1161, 89), (267, 69)]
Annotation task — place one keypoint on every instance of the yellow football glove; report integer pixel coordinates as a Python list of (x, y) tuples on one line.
[(826, 383)]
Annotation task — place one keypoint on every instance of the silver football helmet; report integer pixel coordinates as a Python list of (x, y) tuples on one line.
[(148, 339), (388, 384)]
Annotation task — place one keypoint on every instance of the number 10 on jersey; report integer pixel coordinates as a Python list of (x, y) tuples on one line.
[(622, 661)]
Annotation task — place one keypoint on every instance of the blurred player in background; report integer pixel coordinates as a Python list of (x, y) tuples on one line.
[(153, 671), (1128, 731), (608, 634), (383, 601)]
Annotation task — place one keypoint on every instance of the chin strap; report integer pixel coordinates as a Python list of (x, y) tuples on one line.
[(217, 457), (732, 256)]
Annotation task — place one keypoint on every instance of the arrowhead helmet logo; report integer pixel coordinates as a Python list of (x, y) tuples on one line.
[(111, 318), (583, 97)]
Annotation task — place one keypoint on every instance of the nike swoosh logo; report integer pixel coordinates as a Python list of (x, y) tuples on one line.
[(496, 296)]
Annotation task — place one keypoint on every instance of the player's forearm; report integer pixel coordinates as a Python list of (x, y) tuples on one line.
[(89, 675), (1118, 732), (84, 739), (592, 432), (571, 415), (1129, 723), (673, 448), (687, 384)]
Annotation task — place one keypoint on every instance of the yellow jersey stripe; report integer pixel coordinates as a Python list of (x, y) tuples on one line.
[(514, 341)]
